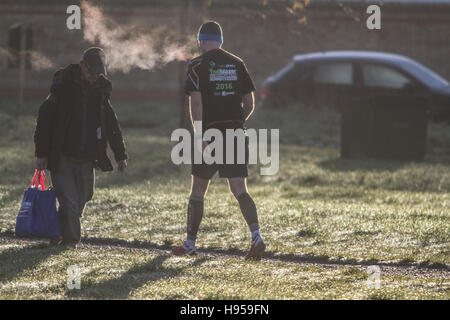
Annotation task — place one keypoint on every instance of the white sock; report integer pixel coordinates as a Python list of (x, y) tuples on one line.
[(256, 234), (189, 243)]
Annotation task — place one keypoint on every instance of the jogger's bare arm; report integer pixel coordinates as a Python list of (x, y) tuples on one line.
[(196, 107), (248, 104)]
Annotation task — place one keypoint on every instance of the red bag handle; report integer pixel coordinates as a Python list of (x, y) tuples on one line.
[(43, 178), (38, 179), (35, 180)]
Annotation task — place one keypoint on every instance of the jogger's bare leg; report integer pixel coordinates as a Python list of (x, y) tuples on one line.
[(199, 186)]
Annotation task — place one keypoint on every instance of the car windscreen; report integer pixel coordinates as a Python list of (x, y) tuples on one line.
[(284, 71), (291, 73), (423, 74)]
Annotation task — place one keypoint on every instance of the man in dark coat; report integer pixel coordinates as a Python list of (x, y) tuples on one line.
[(74, 126)]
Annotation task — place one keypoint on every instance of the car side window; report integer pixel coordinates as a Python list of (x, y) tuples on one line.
[(384, 77), (334, 73)]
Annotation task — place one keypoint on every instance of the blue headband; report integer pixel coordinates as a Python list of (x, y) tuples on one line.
[(211, 37)]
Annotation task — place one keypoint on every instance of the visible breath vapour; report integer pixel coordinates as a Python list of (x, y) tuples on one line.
[(38, 61), (125, 47)]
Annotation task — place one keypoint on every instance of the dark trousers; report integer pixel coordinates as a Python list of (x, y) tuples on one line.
[(73, 181)]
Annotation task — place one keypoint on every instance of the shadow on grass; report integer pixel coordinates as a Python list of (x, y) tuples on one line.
[(369, 164), (133, 279), (15, 261), (113, 243), (349, 165), (271, 255)]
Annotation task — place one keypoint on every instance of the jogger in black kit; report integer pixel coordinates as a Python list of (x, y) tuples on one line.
[(221, 97)]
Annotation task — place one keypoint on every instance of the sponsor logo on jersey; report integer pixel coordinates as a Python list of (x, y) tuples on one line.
[(227, 93), (222, 75), (227, 66)]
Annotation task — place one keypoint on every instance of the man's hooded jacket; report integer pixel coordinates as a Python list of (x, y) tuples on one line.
[(54, 117)]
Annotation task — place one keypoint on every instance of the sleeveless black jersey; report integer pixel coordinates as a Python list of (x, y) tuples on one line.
[(222, 78)]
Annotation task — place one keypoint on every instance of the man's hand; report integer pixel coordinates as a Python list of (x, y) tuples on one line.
[(41, 163), (122, 165)]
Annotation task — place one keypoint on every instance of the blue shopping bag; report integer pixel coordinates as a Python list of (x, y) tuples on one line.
[(37, 215)]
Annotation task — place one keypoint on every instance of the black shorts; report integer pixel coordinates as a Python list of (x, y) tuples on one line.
[(235, 170)]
